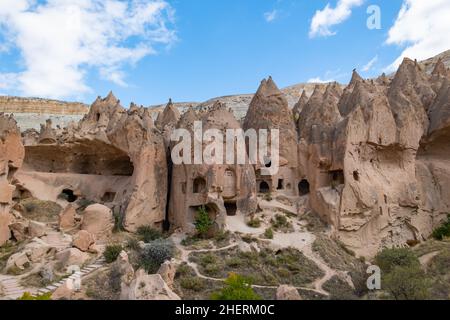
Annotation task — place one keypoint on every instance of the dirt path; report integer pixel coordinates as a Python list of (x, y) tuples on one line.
[(299, 240)]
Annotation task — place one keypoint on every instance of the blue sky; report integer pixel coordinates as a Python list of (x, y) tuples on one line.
[(193, 50)]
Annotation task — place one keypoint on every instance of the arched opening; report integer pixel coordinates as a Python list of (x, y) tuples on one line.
[(264, 187), (337, 177), (231, 208), (199, 185), (303, 187), (68, 195), (356, 175), (280, 184), (108, 197), (97, 117)]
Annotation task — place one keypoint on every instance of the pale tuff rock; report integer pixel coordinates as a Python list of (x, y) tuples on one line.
[(83, 240), (11, 158), (269, 110), (36, 229), (113, 156), (169, 117), (222, 189), (167, 272), (300, 105), (150, 287), (66, 219), (71, 257), (98, 221), (285, 292), (47, 134)]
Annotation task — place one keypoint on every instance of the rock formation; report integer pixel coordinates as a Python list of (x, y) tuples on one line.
[(221, 188), (11, 158), (371, 159), (269, 110)]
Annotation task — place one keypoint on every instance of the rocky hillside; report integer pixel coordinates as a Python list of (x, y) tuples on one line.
[(31, 112)]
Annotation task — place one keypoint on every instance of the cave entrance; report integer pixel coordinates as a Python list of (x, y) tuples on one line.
[(199, 185), (303, 187), (231, 208), (280, 184), (264, 187), (337, 177), (68, 195), (108, 197)]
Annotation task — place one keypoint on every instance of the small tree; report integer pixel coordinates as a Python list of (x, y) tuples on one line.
[(203, 222), (236, 288), (155, 254), (402, 275), (406, 283)]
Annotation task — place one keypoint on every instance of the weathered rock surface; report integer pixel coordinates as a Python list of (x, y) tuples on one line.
[(285, 292), (11, 157), (67, 218), (71, 257), (150, 287), (98, 221), (83, 240)]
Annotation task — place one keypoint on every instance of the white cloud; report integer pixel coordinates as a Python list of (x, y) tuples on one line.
[(423, 27), (319, 80), (370, 64), (324, 19), (271, 15), (7, 80), (60, 41)]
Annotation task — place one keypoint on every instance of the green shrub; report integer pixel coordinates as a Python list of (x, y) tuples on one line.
[(406, 283), (28, 296), (254, 223), (390, 258), (280, 222), (203, 222), (236, 288), (112, 252), (443, 231), (402, 275), (148, 234), (268, 233), (155, 254), (192, 283)]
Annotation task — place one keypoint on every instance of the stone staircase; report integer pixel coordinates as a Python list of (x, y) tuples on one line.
[(12, 289)]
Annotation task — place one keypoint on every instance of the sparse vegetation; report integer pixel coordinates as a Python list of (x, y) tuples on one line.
[(112, 252), (148, 234), (264, 268), (6, 251), (254, 223), (39, 210), (29, 296), (339, 289), (236, 288), (443, 231), (281, 223), (268, 233)]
